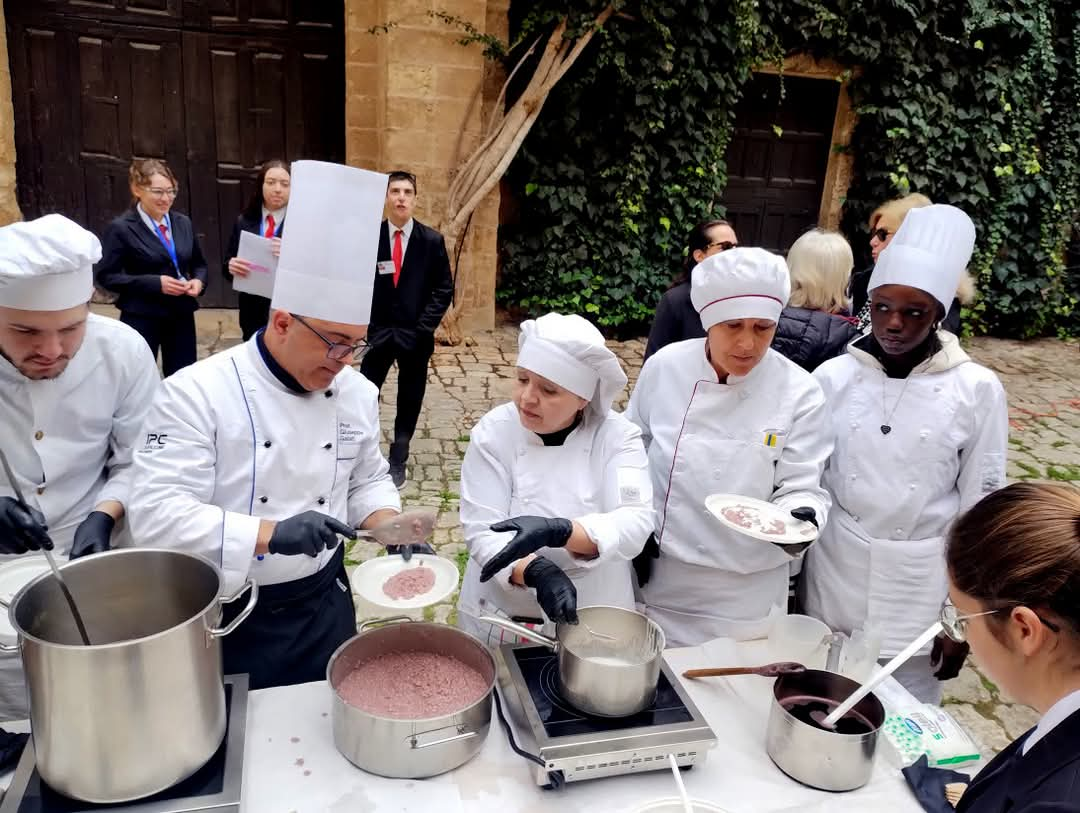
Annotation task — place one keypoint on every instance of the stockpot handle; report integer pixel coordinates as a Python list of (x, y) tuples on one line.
[(7, 647), (417, 746), (522, 630), (371, 623), (253, 597)]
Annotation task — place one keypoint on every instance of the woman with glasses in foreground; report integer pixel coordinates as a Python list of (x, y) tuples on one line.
[(1014, 573), (151, 258)]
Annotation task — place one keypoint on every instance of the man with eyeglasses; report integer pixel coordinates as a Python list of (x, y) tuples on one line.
[(261, 457)]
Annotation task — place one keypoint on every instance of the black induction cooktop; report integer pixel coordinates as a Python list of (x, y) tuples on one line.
[(540, 668)]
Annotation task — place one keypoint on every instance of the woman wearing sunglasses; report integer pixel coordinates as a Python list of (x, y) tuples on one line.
[(1014, 573), (151, 258)]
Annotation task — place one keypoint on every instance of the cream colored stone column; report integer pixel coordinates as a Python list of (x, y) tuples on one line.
[(9, 206)]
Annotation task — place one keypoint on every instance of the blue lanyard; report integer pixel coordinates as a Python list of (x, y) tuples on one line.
[(169, 246)]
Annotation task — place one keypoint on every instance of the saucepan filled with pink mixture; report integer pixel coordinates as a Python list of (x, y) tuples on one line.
[(410, 699)]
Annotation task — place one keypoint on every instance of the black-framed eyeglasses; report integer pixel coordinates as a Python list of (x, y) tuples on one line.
[(881, 234), (723, 245), (955, 625), (337, 351)]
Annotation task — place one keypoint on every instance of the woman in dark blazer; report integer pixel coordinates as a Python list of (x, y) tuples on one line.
[(151, 258), (1014, 596), (264, 216)]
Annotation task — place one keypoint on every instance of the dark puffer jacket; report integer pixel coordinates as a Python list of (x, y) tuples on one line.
[(809, 337)]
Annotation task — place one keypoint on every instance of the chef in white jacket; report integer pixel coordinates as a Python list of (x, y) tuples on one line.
[(74, 388), (726, 414), (260, 456), (921, 435), (555, 494)]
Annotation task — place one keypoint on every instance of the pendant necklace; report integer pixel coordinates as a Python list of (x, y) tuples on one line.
[(886, 426)]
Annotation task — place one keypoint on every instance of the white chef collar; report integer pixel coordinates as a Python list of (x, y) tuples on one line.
[(47, 264)]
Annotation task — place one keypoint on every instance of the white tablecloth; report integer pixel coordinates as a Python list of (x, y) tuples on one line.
[(291, 765)]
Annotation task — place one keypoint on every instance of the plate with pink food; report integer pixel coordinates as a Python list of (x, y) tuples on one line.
[(761, 520), (391, 583)]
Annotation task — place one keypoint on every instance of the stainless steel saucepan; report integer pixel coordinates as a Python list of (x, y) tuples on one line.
[(609, 664)]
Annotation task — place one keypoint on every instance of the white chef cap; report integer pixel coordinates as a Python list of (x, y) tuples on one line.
[(570, 352), (740, 283), (328, 254), (930, 251), (47, 264)]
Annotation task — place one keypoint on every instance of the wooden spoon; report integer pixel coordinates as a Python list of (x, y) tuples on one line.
[(768, 670)]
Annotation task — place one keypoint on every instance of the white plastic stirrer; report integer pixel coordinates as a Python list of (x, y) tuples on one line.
[(834, 717), (687, 807)]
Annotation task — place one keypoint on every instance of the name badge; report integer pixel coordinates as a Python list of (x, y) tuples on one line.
[(349, 437), (385, 267)]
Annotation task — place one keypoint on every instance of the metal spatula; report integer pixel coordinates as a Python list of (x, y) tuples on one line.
[(48, 553)]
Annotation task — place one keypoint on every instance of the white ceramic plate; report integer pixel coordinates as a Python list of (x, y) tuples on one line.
[(760, 520), (368, 580), (14, 575), (674, 805)]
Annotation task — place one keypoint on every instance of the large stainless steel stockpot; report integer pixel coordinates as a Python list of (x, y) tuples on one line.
[(142, 707), (414, 748)]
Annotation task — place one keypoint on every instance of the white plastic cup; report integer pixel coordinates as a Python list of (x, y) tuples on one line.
[(801, 639)]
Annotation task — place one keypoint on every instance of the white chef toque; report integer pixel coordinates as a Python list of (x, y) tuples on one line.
[(328, 254), (740, 283), (570, 351), (47, 264), (930, 251)]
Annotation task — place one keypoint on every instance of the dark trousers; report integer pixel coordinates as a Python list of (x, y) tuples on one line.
[(174, 335), (412, 382), (254, 313)]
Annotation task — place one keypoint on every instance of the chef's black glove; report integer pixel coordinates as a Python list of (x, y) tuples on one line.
[(92, 535), (948, 656), (22, 529), (308, 533), (555, 592), (532, 534), (407, 551), (643, 561), (806, 514)]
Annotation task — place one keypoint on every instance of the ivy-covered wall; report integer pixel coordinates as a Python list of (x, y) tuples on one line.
[(972, 102)]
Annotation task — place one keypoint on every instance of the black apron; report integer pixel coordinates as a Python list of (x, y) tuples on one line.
[(293, 630)]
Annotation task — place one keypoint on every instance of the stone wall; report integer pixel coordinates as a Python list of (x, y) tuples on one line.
[(416, 99), (9, 206)]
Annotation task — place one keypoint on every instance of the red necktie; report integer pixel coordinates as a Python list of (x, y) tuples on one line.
[(397, 255), (164, 232), (269, 225)]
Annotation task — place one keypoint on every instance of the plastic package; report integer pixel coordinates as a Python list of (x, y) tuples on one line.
[(930, 731)]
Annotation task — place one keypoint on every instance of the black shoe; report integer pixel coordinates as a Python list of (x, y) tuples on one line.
[(398, 474)]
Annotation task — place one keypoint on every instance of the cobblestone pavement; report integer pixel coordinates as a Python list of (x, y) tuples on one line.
[(1041, 377)]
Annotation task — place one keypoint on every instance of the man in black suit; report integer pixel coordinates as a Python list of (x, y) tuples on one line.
[(413, 289)]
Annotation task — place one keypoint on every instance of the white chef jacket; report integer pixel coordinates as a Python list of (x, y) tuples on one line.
[(227, 445), (598, 477), (69, 439), (881, 557), (705, 437)]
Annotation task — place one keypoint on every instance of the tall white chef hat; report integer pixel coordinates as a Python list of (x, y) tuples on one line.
[(328, 254), (930, 251), (47, 264), (740, 283), (569, 351)]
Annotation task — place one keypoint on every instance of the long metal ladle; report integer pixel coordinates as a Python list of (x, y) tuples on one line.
[(48, 553)]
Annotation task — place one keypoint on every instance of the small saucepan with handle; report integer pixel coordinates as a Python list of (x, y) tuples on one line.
[(609, 664)]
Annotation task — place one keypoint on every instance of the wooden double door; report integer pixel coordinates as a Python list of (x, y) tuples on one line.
[(213, 87)]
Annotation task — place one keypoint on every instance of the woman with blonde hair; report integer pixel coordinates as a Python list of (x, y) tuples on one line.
[(884, 221), (816, 325), (1014, 598)]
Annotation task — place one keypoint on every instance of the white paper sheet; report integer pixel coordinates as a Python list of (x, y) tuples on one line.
[(257, 251)]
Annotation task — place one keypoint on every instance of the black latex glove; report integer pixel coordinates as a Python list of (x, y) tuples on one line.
[(806, 514), (22, 529), (532, 534), (92, 535), (643, 561), (948, 656), (307, 533), (554, 590), (407, 551)]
